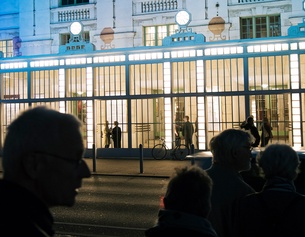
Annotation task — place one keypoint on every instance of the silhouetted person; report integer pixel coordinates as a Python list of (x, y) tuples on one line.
[(106, 135), (43, 167), (253, 130), (278, 210), (266, 132), (116, 135), (188, 131), (231, 151), (186, 206)]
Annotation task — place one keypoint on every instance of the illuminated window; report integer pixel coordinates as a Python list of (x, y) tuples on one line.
[(73, 2), (6, 46), (64, 38), (260, 27), (153, 35)]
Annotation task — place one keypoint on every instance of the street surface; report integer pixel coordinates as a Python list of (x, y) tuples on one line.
[(112, 206)]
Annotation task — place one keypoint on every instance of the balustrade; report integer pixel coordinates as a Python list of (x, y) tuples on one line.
[(73, 15), (156, 6)]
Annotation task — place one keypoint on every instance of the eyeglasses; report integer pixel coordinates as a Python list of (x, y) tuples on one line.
[(75, 163)]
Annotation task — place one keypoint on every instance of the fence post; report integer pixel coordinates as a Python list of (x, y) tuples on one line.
[(192, 153), (141, 158), (94, 157)]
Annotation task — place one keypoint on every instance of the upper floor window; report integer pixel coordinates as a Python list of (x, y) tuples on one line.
[(73, 2), (260, 27), (64, 38), (153, 35), (6, 46)]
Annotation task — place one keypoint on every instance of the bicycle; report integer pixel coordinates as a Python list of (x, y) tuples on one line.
[(180, 151)]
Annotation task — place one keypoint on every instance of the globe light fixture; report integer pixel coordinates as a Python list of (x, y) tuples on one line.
[(183, 18), (76, 28)]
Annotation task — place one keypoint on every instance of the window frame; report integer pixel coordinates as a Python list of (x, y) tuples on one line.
[(158, 34), (75, 2), (7, 49), (249, 26)]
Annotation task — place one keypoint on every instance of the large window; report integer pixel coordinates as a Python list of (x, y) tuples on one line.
[(73, 2), (6, 46), (153, 35), (260, 27)]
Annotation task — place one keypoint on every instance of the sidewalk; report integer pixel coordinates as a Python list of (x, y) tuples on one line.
[(131, 166)]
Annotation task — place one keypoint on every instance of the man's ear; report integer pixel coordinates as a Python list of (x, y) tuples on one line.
[(234, 153), (30, 165)]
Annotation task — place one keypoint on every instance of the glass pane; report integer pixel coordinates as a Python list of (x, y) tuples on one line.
[(14, 85), (110, 80), (150, 33), (275, 26), (261, 27), (146, 79), (267, 73), (184, 77), (224, 75), (246, 28), (275, 108), (45, 84)]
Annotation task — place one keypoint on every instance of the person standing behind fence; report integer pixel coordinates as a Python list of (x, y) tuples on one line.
[(249, 126), (107, 133), (278, 210), (231, 151), (116, 135), (43, 167), (186, 206), (266, 132), (188, 131)]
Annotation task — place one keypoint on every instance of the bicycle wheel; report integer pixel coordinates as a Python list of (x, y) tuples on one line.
[(181, 152), (159, 152)]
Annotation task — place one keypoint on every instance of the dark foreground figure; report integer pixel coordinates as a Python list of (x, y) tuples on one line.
[(43, 167), (278, 210), (187, 204)]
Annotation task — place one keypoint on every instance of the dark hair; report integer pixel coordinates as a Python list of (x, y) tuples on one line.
[(189, 191), (250, 119), (223, 144)]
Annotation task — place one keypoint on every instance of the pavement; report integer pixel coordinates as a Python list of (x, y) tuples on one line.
[(131, 166)]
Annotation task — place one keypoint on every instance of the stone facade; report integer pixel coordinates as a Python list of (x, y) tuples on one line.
[(40, 24)]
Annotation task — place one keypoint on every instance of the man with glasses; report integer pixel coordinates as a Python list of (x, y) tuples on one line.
[(231, 151), (43, 167)]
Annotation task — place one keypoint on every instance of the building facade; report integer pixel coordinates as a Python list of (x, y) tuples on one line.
[(132, 63)]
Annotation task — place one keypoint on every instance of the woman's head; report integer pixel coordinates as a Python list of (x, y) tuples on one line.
[(279, 160)]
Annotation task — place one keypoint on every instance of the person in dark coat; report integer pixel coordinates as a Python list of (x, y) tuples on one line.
[(278, 210), (43, 168), (116, 135), (231, 151), (186, 206), (188, 131), (249, 126)]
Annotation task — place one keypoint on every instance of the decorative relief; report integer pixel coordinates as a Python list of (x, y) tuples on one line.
[(107, 36), (217, 26)]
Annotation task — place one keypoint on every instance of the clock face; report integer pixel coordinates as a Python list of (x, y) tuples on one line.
[(183, 18), (76, 28)]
